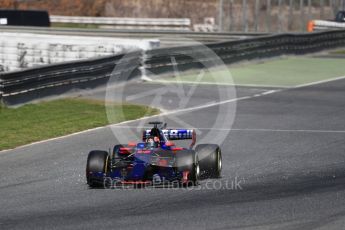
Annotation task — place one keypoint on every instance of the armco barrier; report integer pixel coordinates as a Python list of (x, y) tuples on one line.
[(23, 86), (25, 50), (159, 60), (178, 24)]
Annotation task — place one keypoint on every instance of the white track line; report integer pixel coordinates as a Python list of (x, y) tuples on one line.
[(319, 82), (219, 83), (139, 119), (285, 130), (281, 130), (254, 85), (250, 130), (129, 121)]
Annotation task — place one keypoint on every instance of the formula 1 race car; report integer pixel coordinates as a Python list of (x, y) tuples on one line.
[(155, 161)]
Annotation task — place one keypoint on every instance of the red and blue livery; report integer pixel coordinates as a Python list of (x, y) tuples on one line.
[(155, 160)]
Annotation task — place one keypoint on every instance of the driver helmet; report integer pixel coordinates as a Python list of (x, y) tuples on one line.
[(150, 143)]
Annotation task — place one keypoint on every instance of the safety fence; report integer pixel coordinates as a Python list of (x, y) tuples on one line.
[(178, 24), (23, 86), (167, 38), (25, 50)]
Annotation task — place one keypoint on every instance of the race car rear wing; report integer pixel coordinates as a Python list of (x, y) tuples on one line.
[(173, 134)]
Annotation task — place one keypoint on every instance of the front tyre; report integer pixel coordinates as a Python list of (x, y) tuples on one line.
[(97, 167)]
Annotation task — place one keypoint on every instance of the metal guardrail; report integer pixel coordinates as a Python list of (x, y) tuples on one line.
[(171, 37), (182, 24), (26, 85), (160, 60), (23, 86), (20, 51)]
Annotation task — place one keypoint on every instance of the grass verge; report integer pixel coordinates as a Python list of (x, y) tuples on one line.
[(338, 52), (35, 122), (284, 72)]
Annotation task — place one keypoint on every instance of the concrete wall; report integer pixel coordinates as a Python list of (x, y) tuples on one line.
[(24, 50)]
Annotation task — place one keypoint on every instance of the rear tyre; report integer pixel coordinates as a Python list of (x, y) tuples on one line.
[(194, 175), (97, 167), (210, 157), (188, 161)]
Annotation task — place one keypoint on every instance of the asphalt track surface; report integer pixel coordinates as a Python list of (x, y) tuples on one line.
[(287, 149)]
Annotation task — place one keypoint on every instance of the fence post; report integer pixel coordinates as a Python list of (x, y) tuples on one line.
[(280, 17), (339, 5), (309, 10), (290, 18), (331, 5), (322, 11), (256, 17), (335, 6), (231, 24), (244, 16), (220, 20), (268, 16), (301, 8)]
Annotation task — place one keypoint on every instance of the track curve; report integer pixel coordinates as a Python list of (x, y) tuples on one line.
[(286, 149)]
